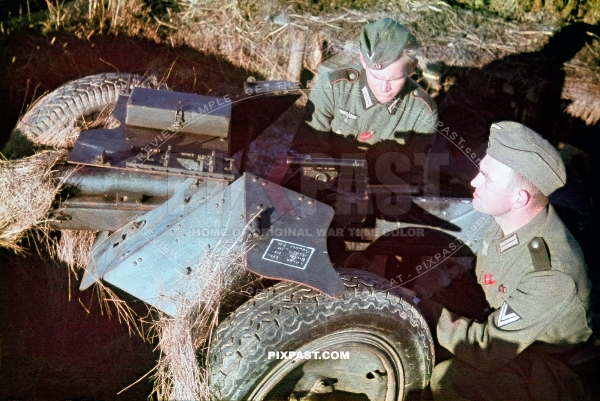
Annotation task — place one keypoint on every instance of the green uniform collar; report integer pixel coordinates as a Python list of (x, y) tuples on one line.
[(369, 100), (524, 234)]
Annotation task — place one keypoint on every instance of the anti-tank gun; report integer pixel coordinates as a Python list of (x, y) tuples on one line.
[(164, 184), (168, 185)]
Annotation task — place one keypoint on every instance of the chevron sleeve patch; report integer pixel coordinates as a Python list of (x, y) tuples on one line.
[(507, 315)]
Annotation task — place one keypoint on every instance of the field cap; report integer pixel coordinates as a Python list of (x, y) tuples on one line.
[(382, 42), (530, 155)]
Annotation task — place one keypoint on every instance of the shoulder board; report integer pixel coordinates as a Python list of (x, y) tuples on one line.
[(418, 92), (344, 74), (540, 255)]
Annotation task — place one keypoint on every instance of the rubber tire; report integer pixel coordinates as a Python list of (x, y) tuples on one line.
[(285, 315), (51, 120)]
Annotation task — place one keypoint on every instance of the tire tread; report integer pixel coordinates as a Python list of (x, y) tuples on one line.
[(290, 307), (60, 108)]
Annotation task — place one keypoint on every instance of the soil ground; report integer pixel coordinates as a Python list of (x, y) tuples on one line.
[(53, 349)]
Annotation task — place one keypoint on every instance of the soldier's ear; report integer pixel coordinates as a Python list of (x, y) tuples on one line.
[(522, 198), (411, 65)]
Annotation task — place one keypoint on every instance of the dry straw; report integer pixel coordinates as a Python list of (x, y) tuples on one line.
[(257, 35), (74, 248), (582, 82), (178, 374), (28, 190)]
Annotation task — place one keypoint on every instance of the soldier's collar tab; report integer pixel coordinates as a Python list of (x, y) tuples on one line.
[(367, 97), (405, 91), (509, 242)]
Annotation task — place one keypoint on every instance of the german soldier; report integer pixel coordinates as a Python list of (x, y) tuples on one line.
[(534, 277), (373, 106)]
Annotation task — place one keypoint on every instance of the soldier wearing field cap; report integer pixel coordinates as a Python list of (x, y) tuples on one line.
[(374, 101), (534, 277)]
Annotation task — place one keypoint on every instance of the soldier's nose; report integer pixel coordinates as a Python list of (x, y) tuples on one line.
[(474, 181)]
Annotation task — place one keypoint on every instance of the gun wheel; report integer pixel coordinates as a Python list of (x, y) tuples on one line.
[(369, 345), (56, 119)]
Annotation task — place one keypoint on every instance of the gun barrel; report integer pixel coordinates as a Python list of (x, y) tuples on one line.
[(105, 199), (104, 181)]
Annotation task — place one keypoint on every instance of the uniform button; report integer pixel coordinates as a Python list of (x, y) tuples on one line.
[(416, 92), (352, 76), (535, 244)]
